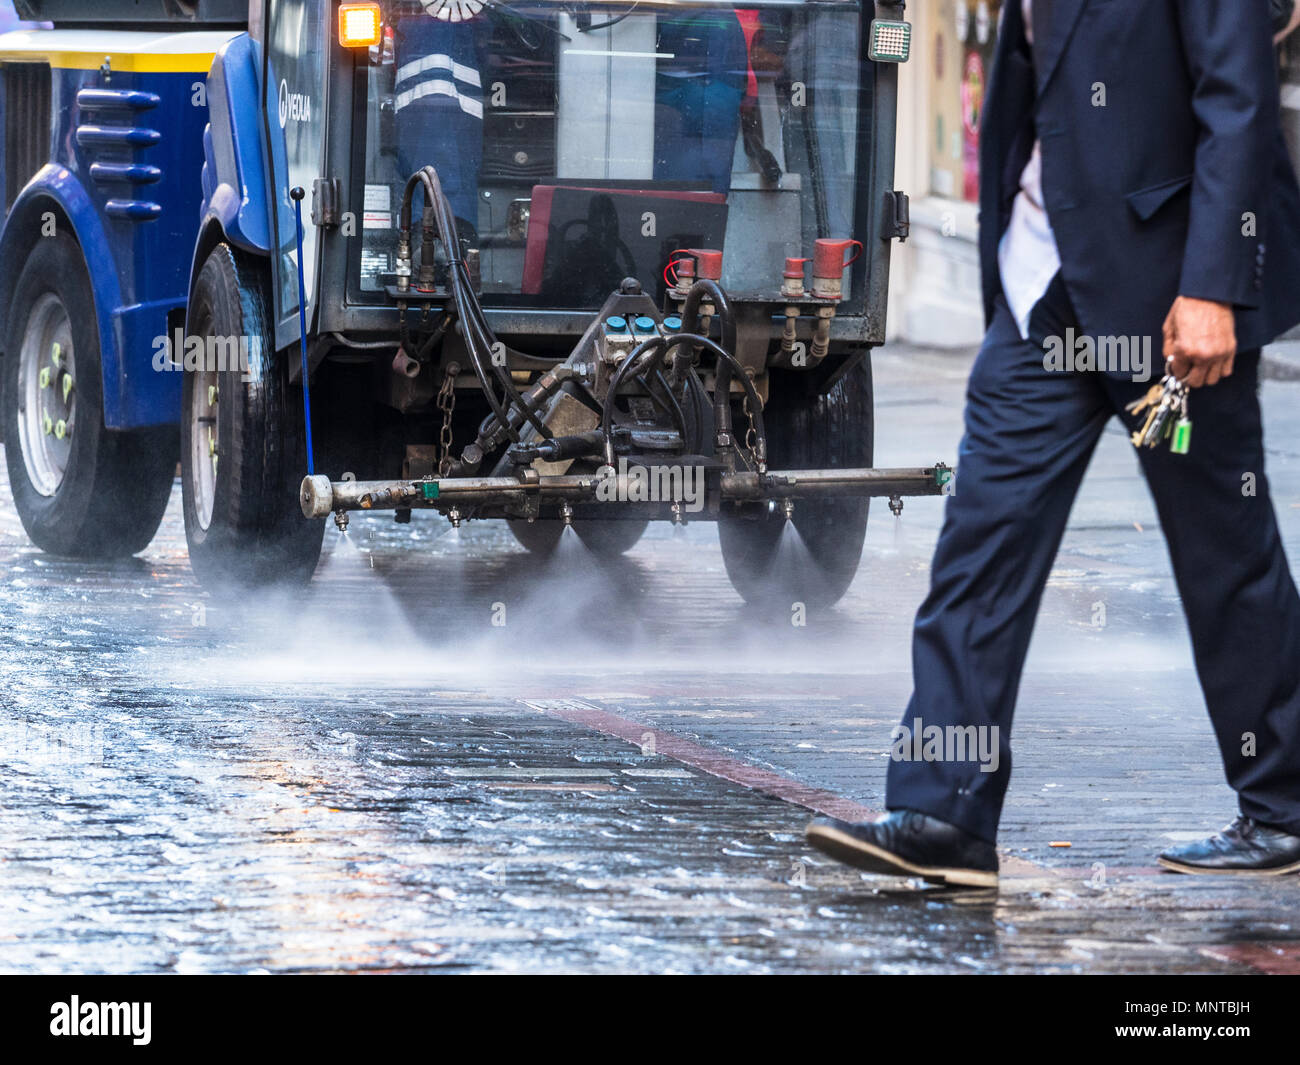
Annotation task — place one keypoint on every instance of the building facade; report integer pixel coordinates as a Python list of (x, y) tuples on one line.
[(935, 285)]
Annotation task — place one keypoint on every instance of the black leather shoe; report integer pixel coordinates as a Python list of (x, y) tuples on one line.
[(907, 843), (1245, 848)]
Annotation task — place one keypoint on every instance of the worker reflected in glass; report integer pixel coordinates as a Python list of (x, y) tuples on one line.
[(438, 98), (701, 81)]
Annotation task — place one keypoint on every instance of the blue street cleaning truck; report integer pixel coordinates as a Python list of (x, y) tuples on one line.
[(579, 265)]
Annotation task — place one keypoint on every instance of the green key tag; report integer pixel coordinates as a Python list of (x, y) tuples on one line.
[(1182, 437)]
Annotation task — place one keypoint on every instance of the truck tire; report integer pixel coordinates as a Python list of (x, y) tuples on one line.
[(537, 537), (606, 539), (80, 489), (243, 454), (815, 565)]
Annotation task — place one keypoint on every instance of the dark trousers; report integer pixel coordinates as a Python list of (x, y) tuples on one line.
[(1030, 433)]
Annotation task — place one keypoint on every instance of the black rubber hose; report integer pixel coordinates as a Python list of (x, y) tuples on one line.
[(436, 334), (478, 336), (501, 414), (675, 411), (700, 405), (658, 346), (477, 333), (732, 363), (690, 323), (661, 346), (755, 400)]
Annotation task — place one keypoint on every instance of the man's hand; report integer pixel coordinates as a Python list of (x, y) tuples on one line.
[(1201, 338), (1291, 25)]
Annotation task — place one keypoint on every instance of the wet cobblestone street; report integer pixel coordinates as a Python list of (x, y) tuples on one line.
[(380, 775)]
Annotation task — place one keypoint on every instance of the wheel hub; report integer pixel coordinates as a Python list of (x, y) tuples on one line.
[(47, 394), (205, 444)]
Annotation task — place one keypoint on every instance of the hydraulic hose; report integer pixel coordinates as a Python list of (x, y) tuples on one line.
[(439, 220), (755, 400), (656, 348), (690, 323)]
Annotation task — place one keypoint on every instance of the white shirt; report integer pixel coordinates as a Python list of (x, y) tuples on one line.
[(1027, 256)]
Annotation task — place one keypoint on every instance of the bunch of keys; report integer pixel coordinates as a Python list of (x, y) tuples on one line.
[(1167, 418)]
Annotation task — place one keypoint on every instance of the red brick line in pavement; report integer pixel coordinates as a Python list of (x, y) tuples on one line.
[(705, 759), (1275, 958), (735, 770)]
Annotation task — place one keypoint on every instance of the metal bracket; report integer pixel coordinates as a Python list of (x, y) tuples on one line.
[(326, 199), (898, 216)]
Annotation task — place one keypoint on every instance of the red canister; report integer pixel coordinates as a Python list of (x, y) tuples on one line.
[(792, 285), (708, 263), (829, 266)]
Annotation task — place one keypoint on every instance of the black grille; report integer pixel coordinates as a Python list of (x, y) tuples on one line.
[(128, 12), (27, 124)]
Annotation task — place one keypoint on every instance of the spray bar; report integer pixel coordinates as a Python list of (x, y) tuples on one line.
[(321, 497)]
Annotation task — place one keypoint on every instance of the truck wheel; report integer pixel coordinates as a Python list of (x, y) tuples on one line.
[(80, 489), (242, 441), (815, 562), (538, 537), (606, 539), (610, 538)]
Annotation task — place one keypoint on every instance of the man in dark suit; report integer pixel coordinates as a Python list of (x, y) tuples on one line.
[(1135, 185)]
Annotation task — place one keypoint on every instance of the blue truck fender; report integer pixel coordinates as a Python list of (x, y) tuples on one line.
[(235, 207), (54, 200)]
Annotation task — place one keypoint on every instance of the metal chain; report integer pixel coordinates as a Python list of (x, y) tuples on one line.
[(447, 404)]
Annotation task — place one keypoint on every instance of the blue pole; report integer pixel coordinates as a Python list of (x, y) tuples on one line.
[(297, 195)]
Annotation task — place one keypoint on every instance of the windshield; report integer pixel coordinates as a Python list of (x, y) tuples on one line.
[(583, 143)]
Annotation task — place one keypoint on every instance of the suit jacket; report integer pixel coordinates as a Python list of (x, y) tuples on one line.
[(1164, 168)]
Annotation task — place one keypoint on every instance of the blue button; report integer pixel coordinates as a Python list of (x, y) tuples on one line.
[(645, 325), (673, 325), (616, 324)]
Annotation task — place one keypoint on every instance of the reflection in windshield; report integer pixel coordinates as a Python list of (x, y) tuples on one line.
[(700, 81), (580, 144), (438, 102)]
